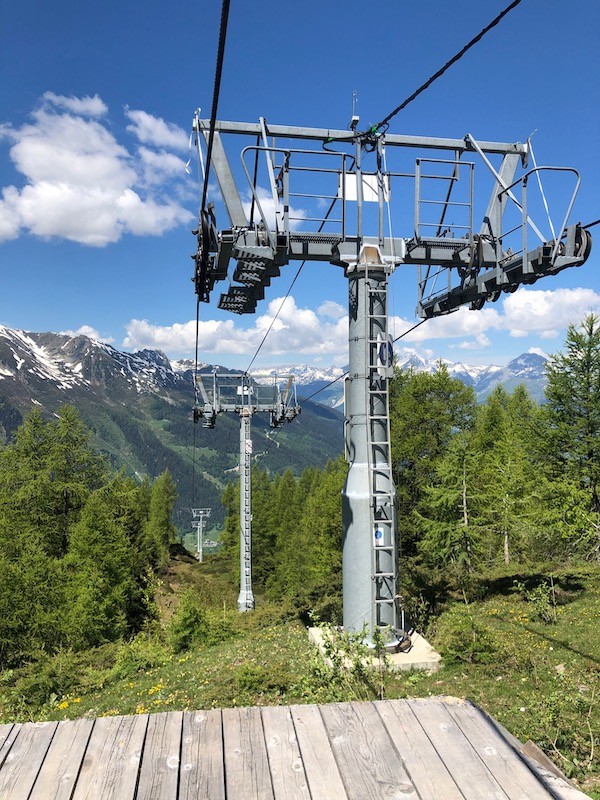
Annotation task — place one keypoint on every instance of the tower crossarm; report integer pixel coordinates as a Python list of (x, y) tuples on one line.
[(291, 174)]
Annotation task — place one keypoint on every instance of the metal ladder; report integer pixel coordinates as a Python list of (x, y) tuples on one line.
[(381, 487)]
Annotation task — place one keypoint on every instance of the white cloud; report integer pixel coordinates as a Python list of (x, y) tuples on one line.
[(87, 106), (155, 131), (545, 313), (548, 312), (331, 309), (267, 205), (538, 352), (450, 326), (81, 184), (159, 164), (479, 342), (91, 333), (296, 330)]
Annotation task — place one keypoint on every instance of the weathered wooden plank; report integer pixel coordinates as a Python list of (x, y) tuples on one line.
[(287, 772), (8, 733), (5, 729), (112, 759), (202, 773), (501, 760), (370, 765), (322, 773), (60, 769), (468, 771), (159, 772), (540, 765), (245, 754), (24, 759), (425, 767)]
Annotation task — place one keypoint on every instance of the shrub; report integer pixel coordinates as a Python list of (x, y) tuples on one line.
[(140, 654), (192, 625), (461, 637)]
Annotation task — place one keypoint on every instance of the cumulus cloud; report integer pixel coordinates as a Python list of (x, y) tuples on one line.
[(91, 333), (155, 131), (479, 342), (81, 184), (331, 309), (549, 312), (296, 330), (267, 205), (86, 106), (544, 313)]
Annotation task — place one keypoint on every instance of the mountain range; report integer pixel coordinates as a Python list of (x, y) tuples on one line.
[(139, 409), (327, 385)]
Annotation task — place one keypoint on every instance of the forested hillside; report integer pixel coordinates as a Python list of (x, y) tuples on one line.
[(503, 483), (138, 408), (79, 546)]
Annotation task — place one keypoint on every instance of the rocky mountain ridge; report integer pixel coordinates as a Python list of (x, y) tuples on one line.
[(139, 408)]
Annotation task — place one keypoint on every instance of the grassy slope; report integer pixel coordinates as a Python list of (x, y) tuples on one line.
[(540, 680)]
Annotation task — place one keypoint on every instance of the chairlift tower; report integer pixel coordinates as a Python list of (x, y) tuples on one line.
[(239, 394), (199, 515), (433, 183)]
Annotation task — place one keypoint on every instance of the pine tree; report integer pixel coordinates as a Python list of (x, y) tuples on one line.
[(451, 519), (508, 472), (160, 531), (102, 590), (426, 412), (572, 409)]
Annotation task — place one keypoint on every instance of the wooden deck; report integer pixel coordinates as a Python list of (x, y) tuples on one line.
[(433, 749)]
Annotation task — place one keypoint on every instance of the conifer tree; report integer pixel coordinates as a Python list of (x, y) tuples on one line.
[(160, 530), (426, 411), (572, 409)]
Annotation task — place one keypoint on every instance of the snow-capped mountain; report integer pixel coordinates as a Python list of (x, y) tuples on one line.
[(139, 409), (328, 387)]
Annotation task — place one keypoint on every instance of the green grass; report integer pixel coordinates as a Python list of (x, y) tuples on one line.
[(539, 679)]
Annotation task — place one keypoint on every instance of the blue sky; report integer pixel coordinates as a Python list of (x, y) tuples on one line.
[(96, 208)]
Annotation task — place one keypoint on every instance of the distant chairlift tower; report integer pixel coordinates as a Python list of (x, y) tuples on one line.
[(353, 173), (240, 394), (199, 515)]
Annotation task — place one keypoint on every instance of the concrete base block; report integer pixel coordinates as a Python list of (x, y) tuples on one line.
[(421, 656)]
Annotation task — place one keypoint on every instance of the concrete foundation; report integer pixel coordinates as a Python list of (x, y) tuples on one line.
[(421, 656)]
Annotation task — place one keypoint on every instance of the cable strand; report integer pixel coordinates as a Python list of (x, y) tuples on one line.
[(384, 122), (216, 92)]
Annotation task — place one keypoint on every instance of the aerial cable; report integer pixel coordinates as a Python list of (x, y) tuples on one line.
[(385, 122), (264, 339), (216, 92), (339, 378)]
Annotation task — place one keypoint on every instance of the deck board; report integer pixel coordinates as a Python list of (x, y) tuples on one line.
[(159, 772), (464, 765), (430, 749), (369, 762), (8, 734), (285, 763), (247, 771), (60, 770), (322, 773), (421, 759), (25, 758), (111, 763), (202, 766), (512, 774)]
